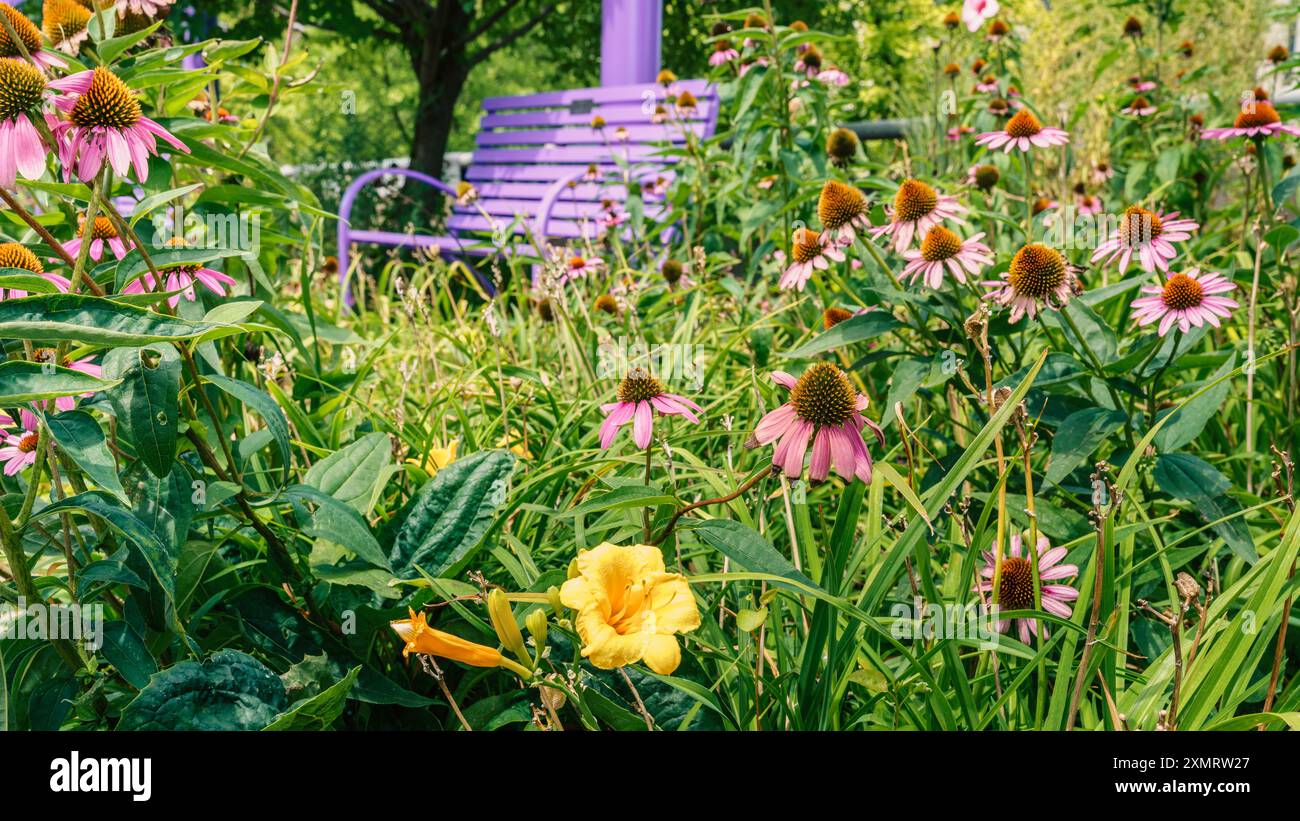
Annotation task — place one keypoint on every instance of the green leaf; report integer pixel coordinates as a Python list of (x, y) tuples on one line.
[(265, 407), (1076, 439), (125, 650), (1167, 164), (1186, 422), (627, 496), (864, 326), (22, 382), (745, 546), (338, 523), (319, 711), (20, 279), (1097, 333), (907, 378), (146, 401), (1284, 189), (101, 26), (161, 559), (449, 515), (110, 49), (228, 691), (91, 320), (146, 206), (355, 474), (164, 504), (1189, 477), (78, 435)]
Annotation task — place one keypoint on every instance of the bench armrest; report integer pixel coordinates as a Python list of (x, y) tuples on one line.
[(349, 198), (549, 199)]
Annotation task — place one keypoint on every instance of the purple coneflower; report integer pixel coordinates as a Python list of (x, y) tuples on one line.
[(1139, 107), (1016, 587), (16, 255), (1140, 85), (30, 36), (810, 251), (1038, 276), (833, 76), (104, 121), (50, 355), (823, 410), (1023, 131), (640, 396), (1256, 119), (958, 131), (1089, 205), (182, 278), (103, 233), (676, 273), (723, 53), (975, 12), (917, 208), (942, 249), (842, 210), (987, 85), (1187, 299), (1149, 235), (19, 450), (581, 266), (151, 8), (22, 92)]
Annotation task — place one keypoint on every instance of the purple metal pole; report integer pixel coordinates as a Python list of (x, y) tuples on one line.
[(630, 33)]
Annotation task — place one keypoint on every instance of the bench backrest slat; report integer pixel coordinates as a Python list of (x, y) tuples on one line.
[(528, 142)]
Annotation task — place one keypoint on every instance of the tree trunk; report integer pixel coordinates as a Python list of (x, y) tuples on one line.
[(441, 68)]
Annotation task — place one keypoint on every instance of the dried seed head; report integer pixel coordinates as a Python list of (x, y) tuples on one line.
[(1187, 587)]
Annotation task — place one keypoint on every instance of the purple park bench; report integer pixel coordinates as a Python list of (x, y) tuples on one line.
[(531, 169)]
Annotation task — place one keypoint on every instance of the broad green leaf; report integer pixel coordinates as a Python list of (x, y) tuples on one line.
[(19, 279), (161, 560), (265, 407), (446, 520), (228, 691), (91, 320), (110, 49), (356, 473), (745, 546), (1189, 477), (125, 649), (146, 206), (319, 711), (338, 523), (627, 496), (22, 382), (165, 505), (856, 329), (78, 435), (146, 401), (1097, 333), (1187, 421), (1077, 438)]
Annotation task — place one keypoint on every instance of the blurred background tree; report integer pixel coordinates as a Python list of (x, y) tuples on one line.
[(377, 99)]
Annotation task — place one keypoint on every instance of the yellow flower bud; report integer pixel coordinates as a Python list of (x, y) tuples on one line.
[(503, 621), (536, 624), (553, 596)]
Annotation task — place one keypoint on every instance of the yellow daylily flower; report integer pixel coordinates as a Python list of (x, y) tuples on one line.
[(423, 639), (519, 448), (629, 608), (437, 458)]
